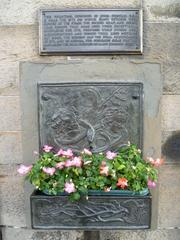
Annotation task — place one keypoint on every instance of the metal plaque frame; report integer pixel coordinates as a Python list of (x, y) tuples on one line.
[(90, 50)]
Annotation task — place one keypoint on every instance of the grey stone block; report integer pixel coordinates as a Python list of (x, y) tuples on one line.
[(26, 39), (8, 170), (170, 112), (12, 201), (169, 197), (10, 147), (171, 75), (10, 114), (8, 76), (71, 235), (162, 10), (161, 42), (24, 45), (28, 234), (25, 12), (141, 235)]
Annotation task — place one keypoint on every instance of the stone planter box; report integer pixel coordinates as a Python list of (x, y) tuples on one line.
[(100, 211)]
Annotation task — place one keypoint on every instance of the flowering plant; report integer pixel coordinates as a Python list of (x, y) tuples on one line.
[(64, 171)]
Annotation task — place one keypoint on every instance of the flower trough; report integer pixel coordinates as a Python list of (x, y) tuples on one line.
[(91, 191), (102, 210)]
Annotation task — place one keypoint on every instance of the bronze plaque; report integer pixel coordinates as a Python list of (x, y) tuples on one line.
[(91, 31), (99, 116)]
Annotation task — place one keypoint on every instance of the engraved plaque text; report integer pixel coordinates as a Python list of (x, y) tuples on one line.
[(90, 31)]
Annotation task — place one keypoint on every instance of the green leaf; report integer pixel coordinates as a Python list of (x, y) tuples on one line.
[(122, 166), (74, 196)]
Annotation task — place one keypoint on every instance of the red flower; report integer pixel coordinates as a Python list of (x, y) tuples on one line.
[(122, 183)]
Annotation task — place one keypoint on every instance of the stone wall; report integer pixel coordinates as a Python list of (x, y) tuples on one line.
[(19, 42)]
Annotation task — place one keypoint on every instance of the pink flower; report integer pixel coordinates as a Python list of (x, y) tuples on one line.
[(151, 184), (47, 148), (103, 163), (156, 162), (69, 187), (104, 170), (86, 151), (60, 152), (68, 153), (23, 170), (60, 165), (77, 161), (68, 163), (49, 171), (111, 155)]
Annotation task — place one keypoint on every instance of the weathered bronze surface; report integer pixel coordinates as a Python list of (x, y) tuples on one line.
[(99, 212), (90, 31), (100, 116)]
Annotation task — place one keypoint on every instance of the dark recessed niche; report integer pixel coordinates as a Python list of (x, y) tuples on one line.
[(171, 148)]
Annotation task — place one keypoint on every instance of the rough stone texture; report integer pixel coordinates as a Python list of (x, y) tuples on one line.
[(8, 77), (171, 112), (171, 75), (10, 114), (12, 201), (171, 10), (8, 170), (161, 42), (141, 235), (24, 45), (25, 12), (27, 234), (25, 42), (162, 10), (169, 197), (10, 147)]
